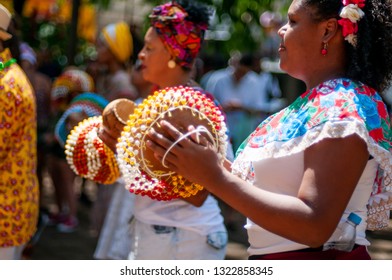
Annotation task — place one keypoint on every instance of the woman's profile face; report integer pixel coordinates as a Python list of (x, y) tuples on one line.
[(104, 54), (154, 58), (301, 43)]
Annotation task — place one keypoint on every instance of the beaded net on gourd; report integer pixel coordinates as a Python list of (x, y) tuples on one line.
[(88, 156), (181, 106)]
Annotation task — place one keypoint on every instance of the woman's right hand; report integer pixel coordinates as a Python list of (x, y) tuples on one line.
[(193, 157)]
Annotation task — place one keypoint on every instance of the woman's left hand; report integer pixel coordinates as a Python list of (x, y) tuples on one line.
[(194, 157), (108, 139)]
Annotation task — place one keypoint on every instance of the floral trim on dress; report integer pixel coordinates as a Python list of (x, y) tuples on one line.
[(334, 109)]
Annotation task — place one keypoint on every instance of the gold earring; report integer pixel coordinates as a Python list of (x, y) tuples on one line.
[(171, 64)]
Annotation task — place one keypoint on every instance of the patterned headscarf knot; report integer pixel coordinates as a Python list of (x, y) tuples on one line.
[(183, 38)]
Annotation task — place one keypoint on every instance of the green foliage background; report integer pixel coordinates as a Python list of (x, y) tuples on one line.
[(239, 19), (245, 30)]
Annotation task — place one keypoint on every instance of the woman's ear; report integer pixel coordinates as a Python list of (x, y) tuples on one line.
[(331, 28)]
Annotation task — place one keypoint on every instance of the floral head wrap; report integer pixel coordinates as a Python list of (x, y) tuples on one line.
[(118, 38), (181, 37)]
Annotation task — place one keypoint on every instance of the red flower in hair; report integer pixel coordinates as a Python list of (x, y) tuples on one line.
[(348, 27), (359, 3)]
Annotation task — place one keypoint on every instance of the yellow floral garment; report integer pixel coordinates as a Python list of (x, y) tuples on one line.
[(18, 182)]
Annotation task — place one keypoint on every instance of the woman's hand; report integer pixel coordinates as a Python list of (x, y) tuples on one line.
[(114, 118), (74, 119), (197, 199), (107, 139), (194, 157)]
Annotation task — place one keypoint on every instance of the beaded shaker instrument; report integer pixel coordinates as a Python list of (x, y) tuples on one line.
[(88, 156), (182, 106)]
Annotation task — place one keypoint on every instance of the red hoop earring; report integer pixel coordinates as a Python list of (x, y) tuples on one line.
[(324, 51)]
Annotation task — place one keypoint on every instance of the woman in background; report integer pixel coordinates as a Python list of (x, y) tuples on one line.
[(306, 168), (181, 228)]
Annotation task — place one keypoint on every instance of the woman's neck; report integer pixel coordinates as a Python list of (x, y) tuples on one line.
[(176, 80), (331, 67), (114, 67), (315, 83), (326, 75)]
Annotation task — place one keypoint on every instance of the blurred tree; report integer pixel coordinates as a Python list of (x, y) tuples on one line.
[(53, 25), (102, 3), (63, 29)]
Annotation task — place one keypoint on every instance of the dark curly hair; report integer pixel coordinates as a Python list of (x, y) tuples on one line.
[(370, 61), (197, 12)]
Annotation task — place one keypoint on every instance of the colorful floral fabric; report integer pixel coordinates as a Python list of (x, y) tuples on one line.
[(19, 197), (181, 37), (336, 108)]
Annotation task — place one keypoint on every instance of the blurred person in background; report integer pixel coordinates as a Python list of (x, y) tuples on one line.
[(304, 170), (190, 228), (114, 52), (19, 190), (71, 83), (42, 85), (243, 94), (114, 47), (270, 23)]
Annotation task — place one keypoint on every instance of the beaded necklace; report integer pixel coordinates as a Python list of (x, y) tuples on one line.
[(6, 64)]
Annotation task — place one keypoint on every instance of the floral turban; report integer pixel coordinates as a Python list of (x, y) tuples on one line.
[(181, 37), (118, 38)]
